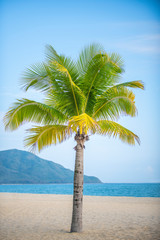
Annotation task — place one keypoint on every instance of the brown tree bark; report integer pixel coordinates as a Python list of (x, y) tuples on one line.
[(76, 225)]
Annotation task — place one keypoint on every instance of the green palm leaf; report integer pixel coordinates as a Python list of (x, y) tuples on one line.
[(86, 55), (132, 84), (114, 102), (102, 72), (40, 137), (31, 111), (117, 59), (67, 83), (36, 77), (114, 129), (51, 54), (57, 77)]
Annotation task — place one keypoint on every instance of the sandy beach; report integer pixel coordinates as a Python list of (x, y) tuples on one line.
[(48, 217)]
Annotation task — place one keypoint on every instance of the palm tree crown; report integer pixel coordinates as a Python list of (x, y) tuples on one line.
[(84, 95)]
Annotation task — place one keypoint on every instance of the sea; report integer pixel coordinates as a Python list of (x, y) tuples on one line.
[(100, 189)]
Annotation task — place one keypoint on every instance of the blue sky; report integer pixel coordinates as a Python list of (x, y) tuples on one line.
[(130, 28)]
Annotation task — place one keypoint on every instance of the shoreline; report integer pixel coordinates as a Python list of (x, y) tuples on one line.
[(71, 195), (48, 216)]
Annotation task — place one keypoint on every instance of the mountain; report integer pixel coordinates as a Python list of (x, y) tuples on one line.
[(21, 167)]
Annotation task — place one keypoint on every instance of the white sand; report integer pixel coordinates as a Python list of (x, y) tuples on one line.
[(48, 217)]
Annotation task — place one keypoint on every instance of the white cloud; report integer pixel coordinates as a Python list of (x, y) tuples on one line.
[(141, 44)]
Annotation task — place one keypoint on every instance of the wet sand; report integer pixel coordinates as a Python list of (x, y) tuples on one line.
[(48, 217)]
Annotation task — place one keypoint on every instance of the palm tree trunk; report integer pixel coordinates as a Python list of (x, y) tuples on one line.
[(76, 225)]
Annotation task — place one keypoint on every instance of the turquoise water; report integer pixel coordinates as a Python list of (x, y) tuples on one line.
[(105, 189)]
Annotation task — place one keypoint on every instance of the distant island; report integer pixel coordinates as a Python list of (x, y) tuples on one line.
[(21, 167)]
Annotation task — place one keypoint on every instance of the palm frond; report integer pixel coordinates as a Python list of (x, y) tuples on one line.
[(101, 73), (114, 129), (132, 84), (84, 123), (25, 110), (40, 137), (114, 102), (51, 54), (66, 90), (57, 76), (36, 77), (117, 59), (61, 63), (86, 55)]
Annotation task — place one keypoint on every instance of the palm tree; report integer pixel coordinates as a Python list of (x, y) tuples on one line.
[(82, 98)]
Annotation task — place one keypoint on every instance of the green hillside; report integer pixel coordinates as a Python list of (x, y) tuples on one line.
[(21, 167)]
